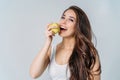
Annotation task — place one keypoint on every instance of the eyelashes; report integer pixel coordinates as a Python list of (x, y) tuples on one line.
[(71, 20), (62, 17), (68, 19)]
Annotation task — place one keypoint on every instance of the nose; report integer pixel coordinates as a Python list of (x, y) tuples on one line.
[(63, 22)]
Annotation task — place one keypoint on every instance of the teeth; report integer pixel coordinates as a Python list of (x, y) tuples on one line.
[(63, 27)]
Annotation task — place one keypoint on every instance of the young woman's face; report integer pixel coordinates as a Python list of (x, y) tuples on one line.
[(67, 24)]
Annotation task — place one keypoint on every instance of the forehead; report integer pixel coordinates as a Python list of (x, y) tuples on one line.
[(70, 12)]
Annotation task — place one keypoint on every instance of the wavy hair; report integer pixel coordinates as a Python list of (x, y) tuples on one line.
[(84, 54)]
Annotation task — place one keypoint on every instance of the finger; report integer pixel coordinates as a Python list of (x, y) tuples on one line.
[(50, 26), (52, 33), (49, 33)]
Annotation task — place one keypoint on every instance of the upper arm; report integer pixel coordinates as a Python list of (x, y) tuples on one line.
[(96, 71)]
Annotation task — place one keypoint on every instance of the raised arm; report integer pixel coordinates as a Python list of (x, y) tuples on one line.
[(42, 59)]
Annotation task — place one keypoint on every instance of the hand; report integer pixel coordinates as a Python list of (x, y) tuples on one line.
[(49, 33)]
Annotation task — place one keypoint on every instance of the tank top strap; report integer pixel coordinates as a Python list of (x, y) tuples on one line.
[(53, 51)]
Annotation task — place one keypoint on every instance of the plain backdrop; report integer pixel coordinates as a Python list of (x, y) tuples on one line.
[(22, 33)]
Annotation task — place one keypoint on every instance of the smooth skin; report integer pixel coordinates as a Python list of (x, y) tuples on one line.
[(63, 50)]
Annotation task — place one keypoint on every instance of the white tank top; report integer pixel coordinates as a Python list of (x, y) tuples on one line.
[(57, 71)]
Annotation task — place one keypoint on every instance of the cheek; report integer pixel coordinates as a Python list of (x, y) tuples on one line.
[(72, 27), (72, 30)]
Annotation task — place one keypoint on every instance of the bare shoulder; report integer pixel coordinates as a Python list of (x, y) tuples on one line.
[(97, 63), (96, 71)]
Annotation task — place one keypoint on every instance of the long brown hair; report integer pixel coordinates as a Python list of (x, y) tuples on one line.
[(84, 54)]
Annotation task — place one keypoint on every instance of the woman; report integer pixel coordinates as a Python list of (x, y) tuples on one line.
[(75, 58)]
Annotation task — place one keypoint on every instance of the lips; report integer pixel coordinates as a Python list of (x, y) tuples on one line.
[(63, 28)]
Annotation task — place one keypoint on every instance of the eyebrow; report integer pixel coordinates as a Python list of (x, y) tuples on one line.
[(72, 17), (69, 16)]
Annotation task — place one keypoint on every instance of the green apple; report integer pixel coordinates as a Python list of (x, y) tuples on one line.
[(56, 29)]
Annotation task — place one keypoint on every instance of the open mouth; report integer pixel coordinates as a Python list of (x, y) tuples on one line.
[(63, 29)]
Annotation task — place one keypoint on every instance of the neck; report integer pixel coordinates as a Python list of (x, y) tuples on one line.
[(68, 43)]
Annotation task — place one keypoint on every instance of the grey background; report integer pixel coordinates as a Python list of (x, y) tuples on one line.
[(22, 26)]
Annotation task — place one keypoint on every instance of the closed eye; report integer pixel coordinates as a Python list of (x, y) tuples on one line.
[(71, 20), (62, 17)]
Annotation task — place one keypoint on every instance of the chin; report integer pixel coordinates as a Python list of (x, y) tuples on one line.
[(62, 35), (65, 36)]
